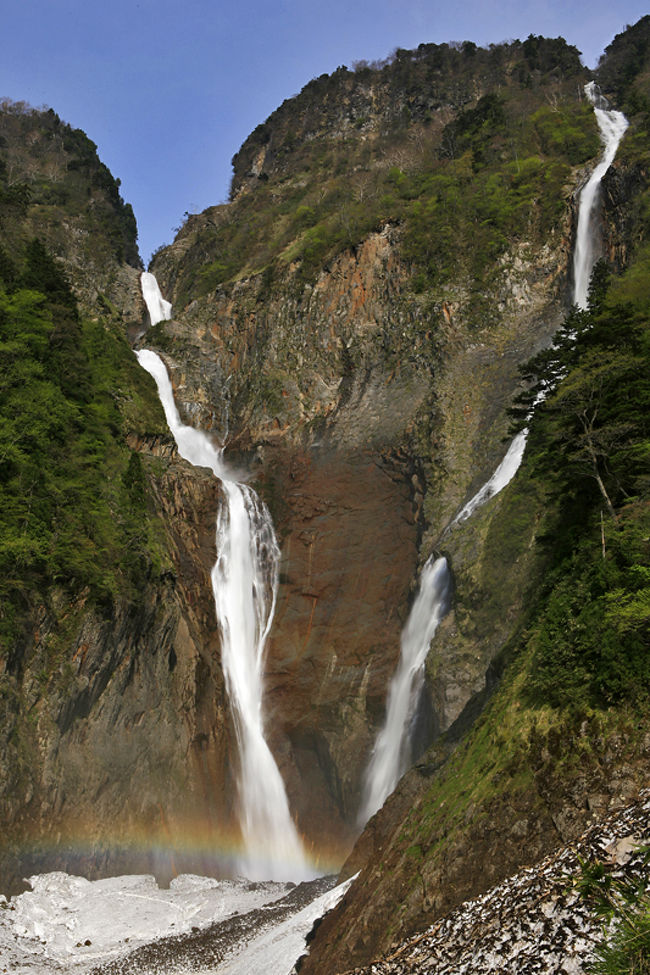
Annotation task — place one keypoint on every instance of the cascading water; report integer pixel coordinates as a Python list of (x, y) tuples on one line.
[(244, 582), (612, 126), (159, 309), (390, 756), (502, 476)]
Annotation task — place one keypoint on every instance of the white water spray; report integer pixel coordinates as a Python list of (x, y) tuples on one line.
[(612, 126), (244, 582), (391, 754), (159, 309)]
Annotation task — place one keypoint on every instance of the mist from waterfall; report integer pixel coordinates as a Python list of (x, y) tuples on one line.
[(244, 583), (391, 755)]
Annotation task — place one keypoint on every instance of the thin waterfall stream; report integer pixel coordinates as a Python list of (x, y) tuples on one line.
[(612, 126), (390, 755), (244, 583)]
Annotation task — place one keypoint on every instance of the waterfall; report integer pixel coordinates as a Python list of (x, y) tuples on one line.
[(612, 126), (159, 309), (244, 583), (390, 756), (502, 476)]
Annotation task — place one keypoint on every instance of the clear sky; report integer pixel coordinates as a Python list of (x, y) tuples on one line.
[(169, 89)]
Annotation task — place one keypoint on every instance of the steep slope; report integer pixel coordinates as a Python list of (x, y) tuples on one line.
[(110, 690), (323, 329), (566, 735)]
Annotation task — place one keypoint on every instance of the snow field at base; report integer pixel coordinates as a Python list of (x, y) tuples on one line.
[(276, 949), (68, 924)]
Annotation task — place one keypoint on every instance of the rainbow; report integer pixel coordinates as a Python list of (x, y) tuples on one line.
[(165, 849)]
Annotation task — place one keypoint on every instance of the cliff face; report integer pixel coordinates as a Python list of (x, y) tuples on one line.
[(350, 462), (365, 389), (114, 735), (367, 411)]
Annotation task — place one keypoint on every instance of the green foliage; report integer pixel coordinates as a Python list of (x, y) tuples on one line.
[(569, 134), (496, 173), (589, 446), (590, 640), (72, 496), (624, 903), (474, 129), (550, 54)]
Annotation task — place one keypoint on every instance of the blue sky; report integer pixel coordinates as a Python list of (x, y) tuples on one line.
[(169, 90)]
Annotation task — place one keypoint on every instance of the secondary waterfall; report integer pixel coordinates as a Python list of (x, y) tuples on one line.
[(502, 476), (391, 754), (612, 126), (244, 583)]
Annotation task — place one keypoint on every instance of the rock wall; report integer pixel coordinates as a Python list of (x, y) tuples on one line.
[(122, 739), (363, 451)]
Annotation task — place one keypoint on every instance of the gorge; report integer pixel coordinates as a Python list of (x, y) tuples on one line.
[(396, 267)]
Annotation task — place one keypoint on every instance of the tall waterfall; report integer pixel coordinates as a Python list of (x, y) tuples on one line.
[(391, 754), (244, 583), (612, 126)]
